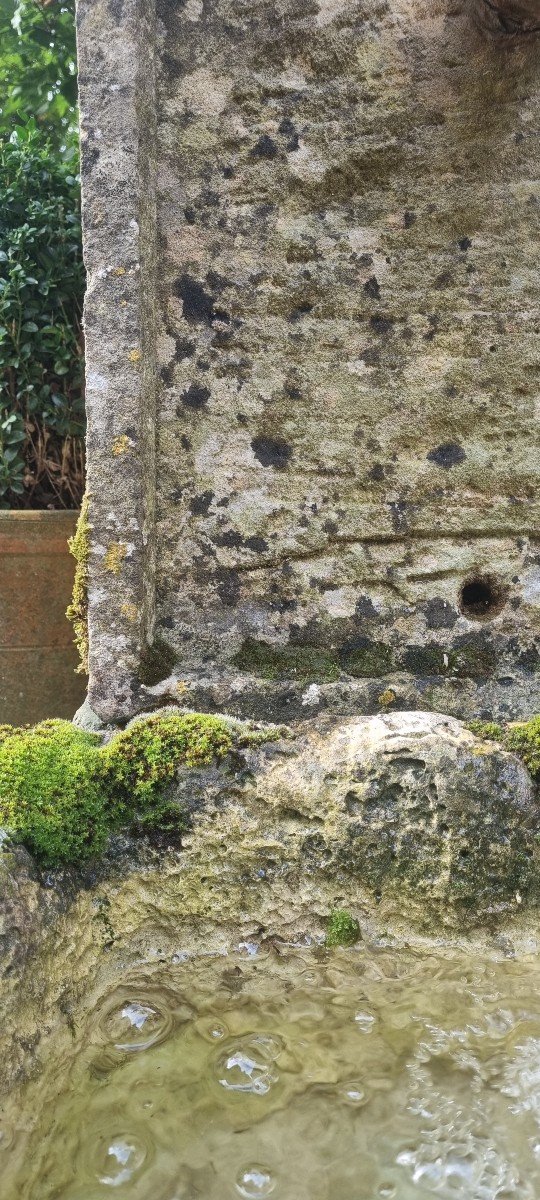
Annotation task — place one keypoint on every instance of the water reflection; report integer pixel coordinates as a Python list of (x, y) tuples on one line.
[(365, 1075)]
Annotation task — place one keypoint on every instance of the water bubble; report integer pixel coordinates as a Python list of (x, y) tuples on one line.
[(248, 1065), (119, 1159), (254, 1181), (364, 1021), (212, 1030), (353, 1092), (135, 1025)]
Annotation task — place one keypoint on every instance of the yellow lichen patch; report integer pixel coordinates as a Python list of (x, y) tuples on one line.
[(121, 445), (135, 356), (77, 611), (130, 612), (387, 697), (119, 271), (115, 556)]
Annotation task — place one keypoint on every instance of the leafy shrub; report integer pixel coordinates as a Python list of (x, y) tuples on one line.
[(62, 792), (38, 69), (41, 289)]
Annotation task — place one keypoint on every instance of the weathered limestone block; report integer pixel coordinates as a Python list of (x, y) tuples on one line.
[(312, 242)]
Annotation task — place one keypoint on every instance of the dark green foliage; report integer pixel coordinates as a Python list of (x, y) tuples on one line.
[(61, 792), (41, 289), (342, 929), (38, 69)]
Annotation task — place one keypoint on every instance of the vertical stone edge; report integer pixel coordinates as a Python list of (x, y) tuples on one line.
[(116, 48)]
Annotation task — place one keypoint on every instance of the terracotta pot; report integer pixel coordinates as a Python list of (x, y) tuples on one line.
[(37, 654)]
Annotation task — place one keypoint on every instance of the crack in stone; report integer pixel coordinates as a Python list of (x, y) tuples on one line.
[(511, 24)]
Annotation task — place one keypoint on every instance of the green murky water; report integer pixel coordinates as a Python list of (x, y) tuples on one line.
[(360, 1075)]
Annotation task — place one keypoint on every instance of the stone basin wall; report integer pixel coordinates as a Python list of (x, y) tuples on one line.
[(311, 233)]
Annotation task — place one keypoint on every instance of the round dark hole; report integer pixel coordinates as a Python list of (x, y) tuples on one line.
[(482, 597)]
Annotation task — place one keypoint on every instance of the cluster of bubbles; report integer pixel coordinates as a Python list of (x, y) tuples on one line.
[(375, 1079)]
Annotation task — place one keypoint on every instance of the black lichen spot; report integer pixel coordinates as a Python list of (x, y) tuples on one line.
[(465, 243), (450, 454), (377, 473), (381, 325), (198, 304), (195, 396), (200, 504), (185, 442), (228, 586), (439, 613), (183, 349), (272, 452), (264, 148), (256, 543), (409, 219), (372, 288)]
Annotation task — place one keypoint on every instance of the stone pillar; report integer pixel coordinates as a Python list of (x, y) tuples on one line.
[(118, 140)]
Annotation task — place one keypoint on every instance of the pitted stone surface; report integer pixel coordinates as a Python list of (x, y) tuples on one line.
[(345, 335)]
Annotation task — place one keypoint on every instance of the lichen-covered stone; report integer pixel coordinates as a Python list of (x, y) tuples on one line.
[(311, 237)]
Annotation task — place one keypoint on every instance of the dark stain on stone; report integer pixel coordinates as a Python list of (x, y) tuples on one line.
[(184, 349), (264, 148), (228, 586), (116, 9), (449, 454), (465, 243), (167, 374), (372, 288), (288, 130), (409, 219), (185, 442), (365, 609), (256, 543), (301, 310), (198, 304), (377, 473), (381, 325), (272, 452), (195, 396), (199, 505), (439, 613)]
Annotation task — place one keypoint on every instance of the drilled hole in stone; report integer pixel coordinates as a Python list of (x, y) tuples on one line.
[(482, 597)]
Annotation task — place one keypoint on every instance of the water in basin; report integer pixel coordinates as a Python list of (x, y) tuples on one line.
[(366, 1074)]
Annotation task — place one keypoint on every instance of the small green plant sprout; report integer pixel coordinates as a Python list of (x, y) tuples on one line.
[(342, 929)]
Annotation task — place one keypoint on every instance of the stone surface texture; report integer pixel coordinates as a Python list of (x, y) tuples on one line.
[(406, 821), (312, 330)]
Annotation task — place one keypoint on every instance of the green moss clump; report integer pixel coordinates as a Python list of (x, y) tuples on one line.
[(308, 663), (342, 929), (51, 792), (77, 611), (489, 730), (62, 792), (157, 662), (524, 739), (143, 759)]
